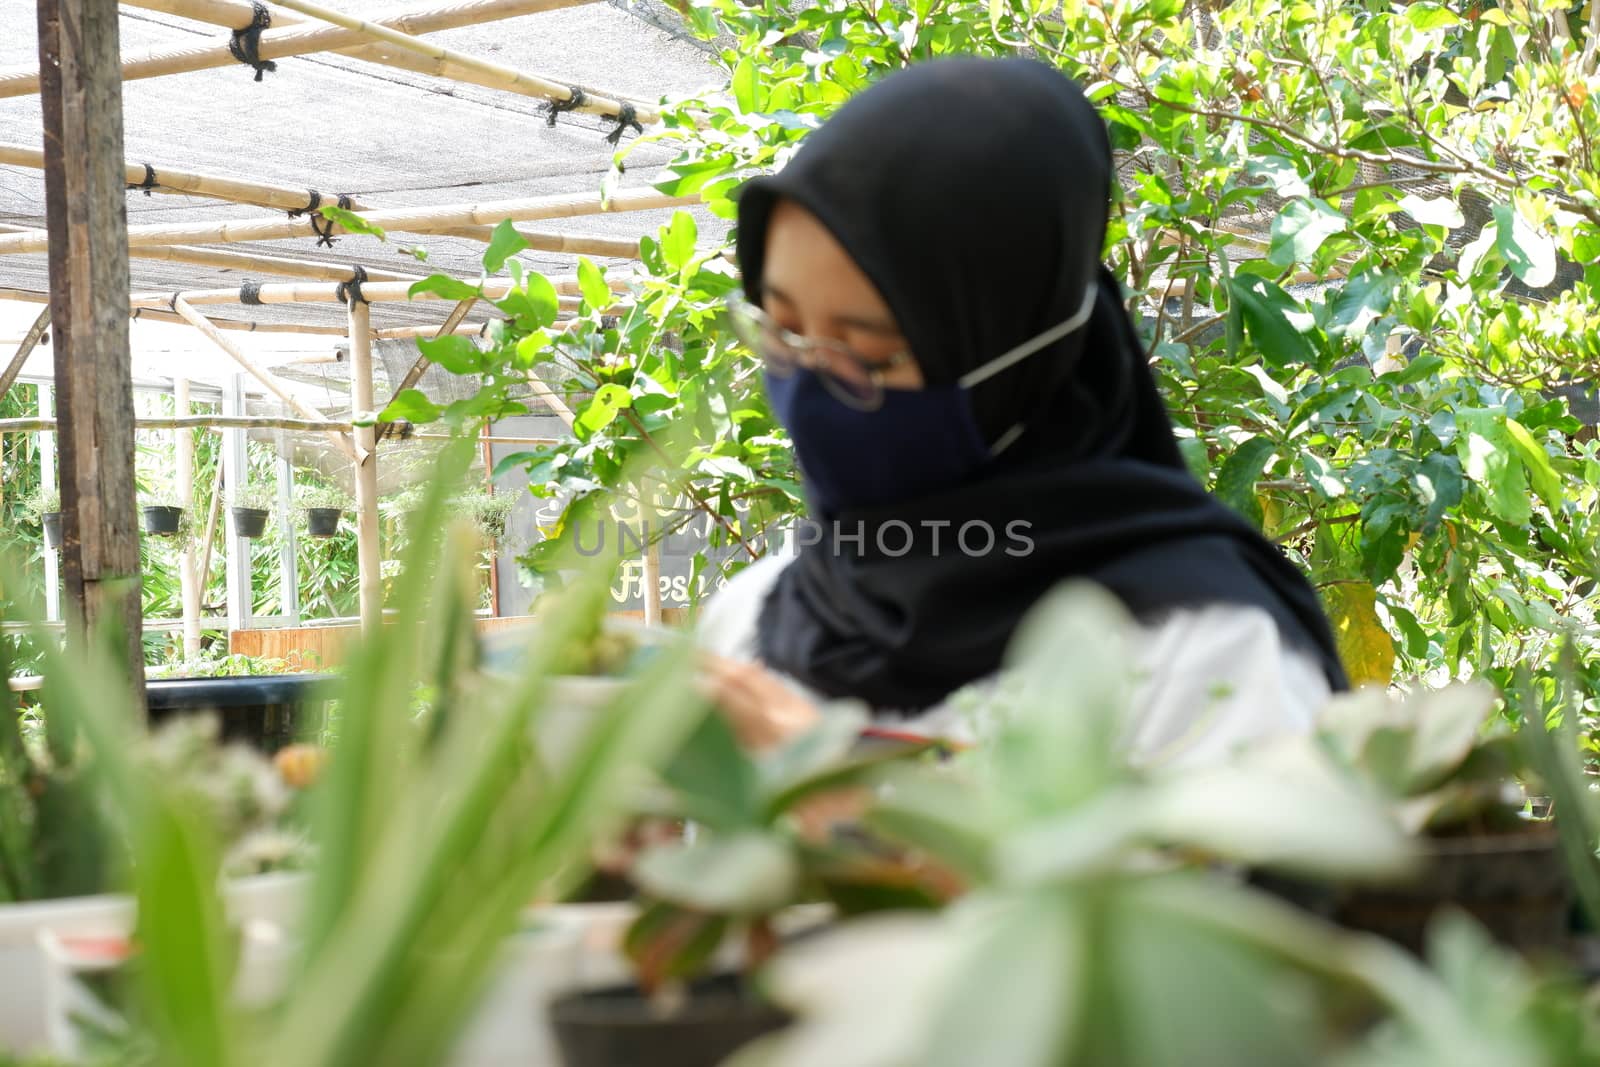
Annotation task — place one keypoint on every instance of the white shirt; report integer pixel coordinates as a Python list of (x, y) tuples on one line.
[(1214, 678)]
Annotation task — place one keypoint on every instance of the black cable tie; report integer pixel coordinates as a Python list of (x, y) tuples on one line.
[(350, 292), (324, 232), (624, 118), (571, 103), (149, 182), (245, 44), (312, 204), (172, 301), (250, 293), (136, 313)]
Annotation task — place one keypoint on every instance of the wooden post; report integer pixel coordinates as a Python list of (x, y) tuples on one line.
[(188, 579), (47, 479), (85, 204), (366, 466)]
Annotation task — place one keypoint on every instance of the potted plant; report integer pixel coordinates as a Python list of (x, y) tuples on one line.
[(323, 505), (162, 518), (488, 512), (713, 907), (1100, 923), (251, 506), (43, 506), (1448, 768)]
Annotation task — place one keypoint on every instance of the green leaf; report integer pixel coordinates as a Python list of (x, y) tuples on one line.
[(1484, 447), (597, 295), (504, 243), (544, 303), (677, 240), (1440, 486), (1537, 461), (1360, 303), (410, 405), (1531, 254), (713, 781), (350, 221), (1273, 319), (602, 410), (743, 873), (456, 354), (1299, 230), (530, 348), (444, 286), (1431, 16), (746, 85), (1435, 211), (1236, 481)]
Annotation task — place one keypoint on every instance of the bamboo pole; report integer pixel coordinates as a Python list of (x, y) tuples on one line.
[(30, 340), (311, 269), (412, 220), (199, 322), (28, 296), (187, 182), (453, 64), (612, 247), (299, 41), (368, 551), (465, 329), (193, 422), (189, 592), (373, 292)]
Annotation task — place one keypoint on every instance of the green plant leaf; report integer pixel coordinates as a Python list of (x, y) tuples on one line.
[(1236, 481), (597, 295), (543, 300), (504, 243), (746, 85), (350, 221), (678, 240), (456, 354), (444, 286), (743, 873), (1435, 211), (1546, 482), (1531, 254), (410, 405), (609, 400), (1273, 319), (1299, 230)]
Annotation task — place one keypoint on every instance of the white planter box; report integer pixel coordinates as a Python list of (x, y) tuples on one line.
[(24, 1021)]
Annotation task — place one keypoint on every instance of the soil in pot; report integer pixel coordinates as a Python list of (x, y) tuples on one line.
[(162, 520), (250, 522), (51, 520), (618, 1025), (1515, 884), (322, 522)]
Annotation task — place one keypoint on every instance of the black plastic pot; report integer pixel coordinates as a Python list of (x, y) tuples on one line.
[(1515, 884), (162, 520), (250, 522), (618, 1025), (322, 522), (51, 520), (264, 711)]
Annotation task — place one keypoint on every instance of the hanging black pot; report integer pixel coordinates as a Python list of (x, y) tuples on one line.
[(250, 522), (52, 529), (322, 522), (162, 520)]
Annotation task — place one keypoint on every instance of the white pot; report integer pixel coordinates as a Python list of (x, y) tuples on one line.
[(24, 1016), (539, 963)]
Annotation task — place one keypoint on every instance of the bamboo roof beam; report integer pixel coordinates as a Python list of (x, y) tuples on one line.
[(410, 220), (29, 296), (193, 422), (35, 334), (462, 67), (577, 244), (371, 292), (340, 440), (173, 181), (302, 40), (232, 14)]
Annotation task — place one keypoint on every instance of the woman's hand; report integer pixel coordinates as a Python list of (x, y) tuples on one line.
[(761, 708)]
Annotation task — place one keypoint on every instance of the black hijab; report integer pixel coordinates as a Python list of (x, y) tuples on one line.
[(973, 193)]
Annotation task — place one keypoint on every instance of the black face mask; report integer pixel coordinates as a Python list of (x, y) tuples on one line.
[(916, 442)]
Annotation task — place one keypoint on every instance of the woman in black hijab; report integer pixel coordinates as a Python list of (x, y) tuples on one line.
[(975, 422)]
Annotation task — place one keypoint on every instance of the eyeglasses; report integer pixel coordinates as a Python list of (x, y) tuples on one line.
[(846, 373)]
